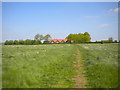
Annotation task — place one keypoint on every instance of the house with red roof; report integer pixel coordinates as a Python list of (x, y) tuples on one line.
[(59, 40)]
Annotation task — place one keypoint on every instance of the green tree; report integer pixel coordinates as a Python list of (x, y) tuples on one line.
[(87, 37), (33, 42), (110, 39), (28, 42), (41, 37), (11, 42), (36, 37), (16, 42), (78, 38), (21, 42), (115, 41), (46, 42), (47, 37), (6, 42), (37, 42)]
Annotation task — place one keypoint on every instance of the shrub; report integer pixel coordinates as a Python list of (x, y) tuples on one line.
[(16, 42), (46, 42)]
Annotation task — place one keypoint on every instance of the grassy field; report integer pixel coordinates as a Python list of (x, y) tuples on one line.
[(52, 66), (38, 66), (100, 64)]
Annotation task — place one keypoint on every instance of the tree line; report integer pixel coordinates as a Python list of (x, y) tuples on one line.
[(36, 41), (110, 40), (72, 38), (80, 37)]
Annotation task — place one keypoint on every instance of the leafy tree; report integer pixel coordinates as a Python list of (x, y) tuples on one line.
[(79, 38), (41, 37), (16, 42), (37, 42), (87, 37), (46, 42), (47, 37), (11, 42), (28, 42), (36, 37), (110, 39), (21, 42), (32, 42), (115, 41), (6, 42)]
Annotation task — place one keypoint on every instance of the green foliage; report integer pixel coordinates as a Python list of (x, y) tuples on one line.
[(10, 42), (36, 42), (28, 42), (110, 39), (115, 41), (21, 42), (79, 38), (47, 37), (46, 42), (41, 37), (36, 37), (16, 42), (6, 42)]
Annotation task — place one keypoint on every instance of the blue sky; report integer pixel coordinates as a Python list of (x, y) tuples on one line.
[(23, 20)]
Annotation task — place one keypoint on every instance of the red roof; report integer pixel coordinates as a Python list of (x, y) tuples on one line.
[(59, 40)]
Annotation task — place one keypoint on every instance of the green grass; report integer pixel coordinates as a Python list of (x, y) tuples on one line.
[(100, 65), (52, 66), (38, 66)]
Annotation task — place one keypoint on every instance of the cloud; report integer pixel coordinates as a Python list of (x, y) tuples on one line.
[(104, 25), (114, 10)]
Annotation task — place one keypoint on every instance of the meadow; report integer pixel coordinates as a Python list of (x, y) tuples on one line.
[(52, 66), (100, 65), (38, 66)]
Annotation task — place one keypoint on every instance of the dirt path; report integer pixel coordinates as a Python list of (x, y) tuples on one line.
[(79, 79)]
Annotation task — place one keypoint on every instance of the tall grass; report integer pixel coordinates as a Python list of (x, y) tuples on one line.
[(38, 66), (100, 65), (52, 66)]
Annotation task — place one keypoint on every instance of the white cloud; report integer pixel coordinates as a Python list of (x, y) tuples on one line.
[(104, 25), (114, 10)]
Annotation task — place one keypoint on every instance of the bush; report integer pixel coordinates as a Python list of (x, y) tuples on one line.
[(36, 42), (46, 42), (28, 42), (16, 42), (10, 42), (21, 42), (6, 42)]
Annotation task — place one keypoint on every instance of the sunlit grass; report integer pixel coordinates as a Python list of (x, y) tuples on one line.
[(38, 66), (52, 66), (100, 65)]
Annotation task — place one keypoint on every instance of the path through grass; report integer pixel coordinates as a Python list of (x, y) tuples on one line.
[(80, 80), (53, 66)]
